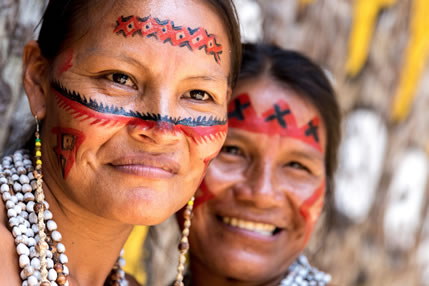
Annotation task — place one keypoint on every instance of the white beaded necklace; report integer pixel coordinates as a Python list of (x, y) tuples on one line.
[(303, 274), (42, 257)]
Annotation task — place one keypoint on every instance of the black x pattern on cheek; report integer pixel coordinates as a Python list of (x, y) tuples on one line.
[(238, 111), (279, 115), (312, 131)]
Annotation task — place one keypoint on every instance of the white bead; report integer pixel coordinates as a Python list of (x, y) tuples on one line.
[(31, 241), (53, 283), (24, 179), (56, 236), (37, 274), (28, 197), (17, 208), (33, 252), (6, 196), (35, 262), (26, 188), (48, 215), (24, 214), (3, 180), (24, 260), (14, 198), (28, 270), (19, 239), (121, 262), (22, 275), (17, 187), (32, 217), (51, 225), (46, 204), (11, 213), (4, 188), (33, 185), (22, 249), (27, 162), (23, 228), (49, 254), (52, 275), (66, 270), (9, 204), (16, 231), (61, 248), (50, 262), (15, 177), (30, 176), (32, 281), (30, 207), (29, 232), (19, 197), (13, 221), (35, 228), (24, 283), (63, 258)]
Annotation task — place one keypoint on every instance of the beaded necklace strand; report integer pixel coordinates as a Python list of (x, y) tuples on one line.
[(42, 257)]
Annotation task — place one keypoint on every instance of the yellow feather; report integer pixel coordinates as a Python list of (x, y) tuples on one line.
[(364, 18), (416, 56)]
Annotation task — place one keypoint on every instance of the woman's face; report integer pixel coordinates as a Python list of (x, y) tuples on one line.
[(262, 195), (136, 109)]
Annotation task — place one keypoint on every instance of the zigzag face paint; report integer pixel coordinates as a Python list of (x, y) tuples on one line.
[(167, 32), (278, 120), (200, 129)]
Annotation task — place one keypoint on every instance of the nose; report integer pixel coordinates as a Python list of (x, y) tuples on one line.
[(258, 188), (156, 119)]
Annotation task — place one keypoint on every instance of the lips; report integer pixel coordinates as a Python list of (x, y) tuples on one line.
[(147, 165), (264, 229)]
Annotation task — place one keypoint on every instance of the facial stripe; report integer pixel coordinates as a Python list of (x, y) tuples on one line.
[(310, 209), (165, 31), (68, 143), (67, 64), (278, 120), (203, 194), (200, 129)]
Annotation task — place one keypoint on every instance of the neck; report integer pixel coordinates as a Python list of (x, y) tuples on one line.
[(92, 243), (203, 275)]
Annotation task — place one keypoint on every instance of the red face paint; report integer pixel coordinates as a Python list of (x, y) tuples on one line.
[(310, 210), (200, 130), (165, 31), (68, 142), (278, 120), (67, 64)]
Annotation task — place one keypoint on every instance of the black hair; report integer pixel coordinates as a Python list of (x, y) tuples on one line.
[(64, 21), (309, 81)]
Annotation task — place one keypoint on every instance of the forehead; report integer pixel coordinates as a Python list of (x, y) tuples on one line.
[(265, 92), (265, 95), (187, 15)]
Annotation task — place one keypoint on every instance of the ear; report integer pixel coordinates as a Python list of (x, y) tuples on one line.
[(36, 78)]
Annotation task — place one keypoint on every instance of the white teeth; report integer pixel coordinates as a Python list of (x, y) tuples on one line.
[(261, 228)]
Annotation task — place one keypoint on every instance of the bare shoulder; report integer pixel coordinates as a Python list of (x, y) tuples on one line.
[(9, 268), (131, 280)]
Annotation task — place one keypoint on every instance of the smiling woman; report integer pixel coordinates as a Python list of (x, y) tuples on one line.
[(262, 196), (132, 98)]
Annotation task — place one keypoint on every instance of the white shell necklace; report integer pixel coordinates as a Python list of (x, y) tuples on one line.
[(303, 274), (42, 257)]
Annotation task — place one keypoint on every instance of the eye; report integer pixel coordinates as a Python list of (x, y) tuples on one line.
[(198, 94), (298, 166), (122, 79), (232, 150)]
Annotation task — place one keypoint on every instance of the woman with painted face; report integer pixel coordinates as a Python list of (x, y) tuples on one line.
[(259, 202), (130, 100)]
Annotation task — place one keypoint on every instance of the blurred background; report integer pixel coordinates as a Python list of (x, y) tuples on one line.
[(376, 54)]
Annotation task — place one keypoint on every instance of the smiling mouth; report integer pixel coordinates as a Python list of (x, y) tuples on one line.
[(264, 229)]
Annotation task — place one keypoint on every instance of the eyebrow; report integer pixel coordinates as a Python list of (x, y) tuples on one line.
[(308, 155)]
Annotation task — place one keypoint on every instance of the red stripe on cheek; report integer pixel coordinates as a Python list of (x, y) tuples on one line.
[(203, 194), (201, 134), (311, 208), (68, 143)]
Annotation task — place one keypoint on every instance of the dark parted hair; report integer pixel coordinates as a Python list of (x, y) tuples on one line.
[(65, 21), (309, 81)]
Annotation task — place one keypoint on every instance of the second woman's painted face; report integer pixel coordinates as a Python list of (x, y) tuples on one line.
[(263, 194), (137, 109)]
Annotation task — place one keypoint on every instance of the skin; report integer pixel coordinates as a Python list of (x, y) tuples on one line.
[(101, 179), (259, 176)]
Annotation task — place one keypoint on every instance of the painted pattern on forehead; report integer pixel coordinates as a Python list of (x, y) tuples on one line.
[(68, 143), (278, 120), (200, 129), (167, 32)]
